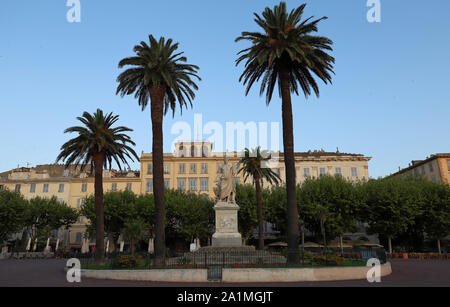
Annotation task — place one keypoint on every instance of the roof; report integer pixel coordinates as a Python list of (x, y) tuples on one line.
[(417, 163)]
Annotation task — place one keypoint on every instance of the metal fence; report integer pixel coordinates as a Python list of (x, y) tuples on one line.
[(234, 259)]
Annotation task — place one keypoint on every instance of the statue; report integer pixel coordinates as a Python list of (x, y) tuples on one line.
[(226, 182)]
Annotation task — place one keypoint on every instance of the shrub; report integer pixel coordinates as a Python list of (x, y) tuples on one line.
[(125, 262), (328, 260)]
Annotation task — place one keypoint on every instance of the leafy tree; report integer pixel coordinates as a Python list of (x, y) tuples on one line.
[(274, 200), (392, 204), (118, 207), (97, 144), (437, 212), (331, 203), (12, 213), (287, 53), (158, 74), (189, 214), (252, 164), (247, 216), (43, 215)]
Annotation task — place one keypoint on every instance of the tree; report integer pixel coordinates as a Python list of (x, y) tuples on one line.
[(253, 164), (43, 215), (330, 202), (118, 207), (97, 144), (392, 204), (286, 53), (274, 200), (437, 213), (12, 213), (134, 230), (158, 74), (248, 216), (189, 214)]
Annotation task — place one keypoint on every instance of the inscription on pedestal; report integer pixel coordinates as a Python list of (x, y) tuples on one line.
[(227, 233)]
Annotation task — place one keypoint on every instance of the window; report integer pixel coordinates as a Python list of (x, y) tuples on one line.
[(1, 187), (192, 184), (181, 168), (205, 151), (66, 173), (433, 178), (306, 172), (60, 200), (181, 182), (33, 188), (354, 172), (203, 184), (149, 169), (166, 168), (322, 171), (61, 188), (80, 201), (78, 237), (430, 166), (416, 172), (218, 168), (193, 168), (167, 183), (448, 164), (204, 168), (181, 151), (84, 187), (45, 188), (423, 170), (129, 186), (338, 171), (237, 181), (114, 186), (17, 188), (149, 185)]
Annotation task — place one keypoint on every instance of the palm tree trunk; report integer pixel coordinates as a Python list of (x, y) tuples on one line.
[(289, 162), (157, 97), (260, 213), (390, 245), (100, 229), (439, 246)]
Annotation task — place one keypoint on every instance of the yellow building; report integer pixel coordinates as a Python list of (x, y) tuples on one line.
[(194, 167), (435, 168)]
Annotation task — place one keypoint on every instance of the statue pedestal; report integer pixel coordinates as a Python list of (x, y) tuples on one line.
[(227, 233)]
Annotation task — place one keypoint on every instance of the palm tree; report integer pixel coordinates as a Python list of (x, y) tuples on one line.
[(253, 165), (98, 144), (286, 53), (158, 74)]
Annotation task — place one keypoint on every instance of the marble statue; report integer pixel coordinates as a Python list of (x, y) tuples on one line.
[(226, 182)]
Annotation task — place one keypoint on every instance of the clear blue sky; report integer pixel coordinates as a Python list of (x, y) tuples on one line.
[(389, 98)]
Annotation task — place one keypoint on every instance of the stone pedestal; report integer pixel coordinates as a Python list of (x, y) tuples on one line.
[(227, 233)]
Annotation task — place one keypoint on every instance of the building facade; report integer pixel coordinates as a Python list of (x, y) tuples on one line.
[(435, 168)]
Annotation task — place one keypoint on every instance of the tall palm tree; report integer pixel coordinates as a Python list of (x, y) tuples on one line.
[(253, 165), (98, 143), (158, 75), (286, 53)]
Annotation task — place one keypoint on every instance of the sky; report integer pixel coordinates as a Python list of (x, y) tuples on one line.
[(389, 99)]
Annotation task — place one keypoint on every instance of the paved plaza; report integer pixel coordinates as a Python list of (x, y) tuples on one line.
[(50, 273)]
